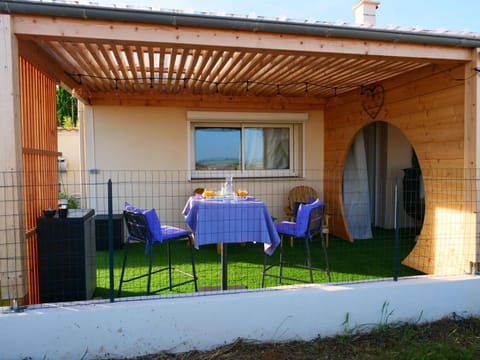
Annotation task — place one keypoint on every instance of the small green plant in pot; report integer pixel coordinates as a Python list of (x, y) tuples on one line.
[(69, 200)]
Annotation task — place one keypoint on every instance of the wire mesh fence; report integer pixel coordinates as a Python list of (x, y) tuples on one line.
[(409, 224)]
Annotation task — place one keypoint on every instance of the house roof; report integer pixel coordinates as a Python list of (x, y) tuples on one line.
[(165, 54)]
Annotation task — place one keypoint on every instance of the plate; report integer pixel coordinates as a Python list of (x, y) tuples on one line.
[(244, 198), (217, 198)]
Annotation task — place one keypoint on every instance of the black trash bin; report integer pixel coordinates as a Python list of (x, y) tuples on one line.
[(101, 231)]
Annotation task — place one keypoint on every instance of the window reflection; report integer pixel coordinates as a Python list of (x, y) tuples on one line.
[(217, 148)]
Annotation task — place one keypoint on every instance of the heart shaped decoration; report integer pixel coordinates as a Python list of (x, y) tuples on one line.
[(372, 99)]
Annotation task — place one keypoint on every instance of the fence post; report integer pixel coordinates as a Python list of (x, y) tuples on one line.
[(110, 241), (397, 220)]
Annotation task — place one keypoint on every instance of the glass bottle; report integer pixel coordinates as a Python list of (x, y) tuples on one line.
[(228, 187)]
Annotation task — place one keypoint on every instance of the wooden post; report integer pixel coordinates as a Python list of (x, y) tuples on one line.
[(472, 156), (13, 275)]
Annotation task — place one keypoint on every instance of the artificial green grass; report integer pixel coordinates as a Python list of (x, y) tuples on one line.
[(361, 260)]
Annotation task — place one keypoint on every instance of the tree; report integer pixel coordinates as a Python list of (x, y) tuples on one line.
[(67, 113)]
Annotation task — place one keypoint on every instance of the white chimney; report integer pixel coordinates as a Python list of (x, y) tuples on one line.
[(365, 12)]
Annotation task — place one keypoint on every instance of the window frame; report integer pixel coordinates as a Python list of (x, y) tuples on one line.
[(293, 121)]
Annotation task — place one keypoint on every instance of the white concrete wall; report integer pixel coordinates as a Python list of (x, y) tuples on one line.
[(69, 145), (156, 138), (178, 324)]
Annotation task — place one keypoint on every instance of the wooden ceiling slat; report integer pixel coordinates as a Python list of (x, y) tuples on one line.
[(220, 63), (218, 72), (65, 56), (191, 68), (171, 71), (364, 74), (257, 67), (141, 62), (198, 77), (138, 66), (103, 67), (329, 76), (309, 77), (350, 69), (91, 80), (161, 68), (279, 68), (57, 51), (380, 76), (124, 78), (211, 79), (298, 72), (105, 51), (227, 73), (90, 64), (151, 66), (133, 66), (181, 69), (323, 76), (239, 70)]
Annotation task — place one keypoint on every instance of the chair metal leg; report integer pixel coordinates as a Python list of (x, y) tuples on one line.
[(280, 273), (309, 260), (194, 273), (264, 269), (325, 255), (283, 261), (125, 253), (150, 262), (169, 261)]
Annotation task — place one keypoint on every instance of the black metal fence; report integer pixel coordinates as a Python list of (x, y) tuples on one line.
[(79, 257)]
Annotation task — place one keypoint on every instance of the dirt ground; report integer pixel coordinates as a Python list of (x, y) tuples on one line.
[(452, 338)]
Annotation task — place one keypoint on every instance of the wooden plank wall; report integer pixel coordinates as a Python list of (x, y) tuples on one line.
[(39, 155), (428, 107)]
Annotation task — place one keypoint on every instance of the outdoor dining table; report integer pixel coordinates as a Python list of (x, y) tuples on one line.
[(223, 221)]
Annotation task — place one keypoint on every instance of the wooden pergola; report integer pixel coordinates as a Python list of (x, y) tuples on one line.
[(124, 56)]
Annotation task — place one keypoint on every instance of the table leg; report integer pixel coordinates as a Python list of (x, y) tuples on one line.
[(224, 267)]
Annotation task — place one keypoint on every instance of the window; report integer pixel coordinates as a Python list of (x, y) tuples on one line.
[(237, 144)]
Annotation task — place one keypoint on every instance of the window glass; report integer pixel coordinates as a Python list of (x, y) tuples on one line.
[(267, 148), (244, 144), (217, 148)]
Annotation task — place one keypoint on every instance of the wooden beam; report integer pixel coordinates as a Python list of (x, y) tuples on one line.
[(216, 101), (137, 33)]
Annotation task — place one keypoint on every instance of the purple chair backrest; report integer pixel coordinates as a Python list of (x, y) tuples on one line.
[(137, 226), (310, 219)]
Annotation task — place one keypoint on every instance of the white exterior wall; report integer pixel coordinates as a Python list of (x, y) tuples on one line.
[(69, 145), (156, 138), (179, 324)]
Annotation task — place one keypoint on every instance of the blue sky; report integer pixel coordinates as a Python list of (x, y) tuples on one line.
[(455, 15)]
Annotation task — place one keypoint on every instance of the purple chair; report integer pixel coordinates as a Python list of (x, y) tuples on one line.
[(309, 223), (144, 226)]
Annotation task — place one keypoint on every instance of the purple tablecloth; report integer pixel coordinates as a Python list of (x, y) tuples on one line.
[(218, 221)]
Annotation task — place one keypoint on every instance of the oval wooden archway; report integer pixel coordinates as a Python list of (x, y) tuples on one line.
[(380, 153), (431, 116)]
